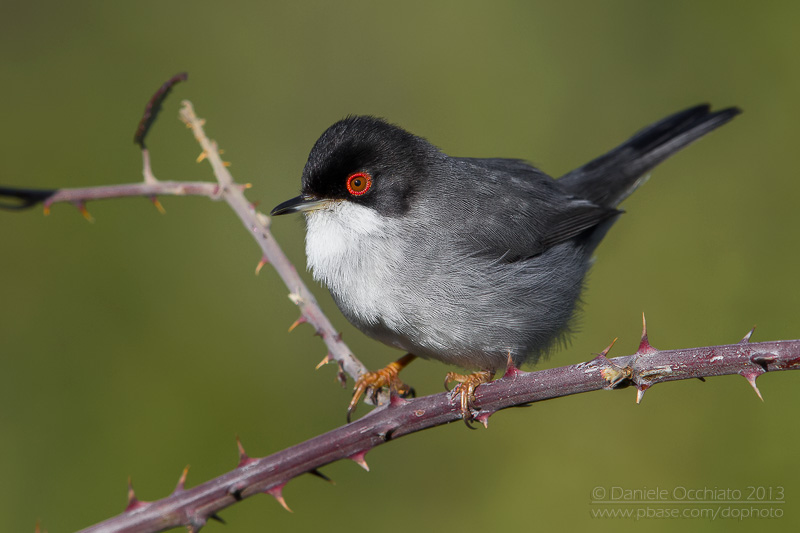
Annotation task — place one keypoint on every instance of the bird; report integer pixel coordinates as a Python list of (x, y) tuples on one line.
[(475, 262)]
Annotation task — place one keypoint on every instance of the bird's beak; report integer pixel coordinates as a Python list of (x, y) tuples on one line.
[(299, 203)]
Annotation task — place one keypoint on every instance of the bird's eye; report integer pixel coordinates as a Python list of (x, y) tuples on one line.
[(359, 183)]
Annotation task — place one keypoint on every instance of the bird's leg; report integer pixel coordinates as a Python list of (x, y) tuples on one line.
[(467, 383), (372, 382)]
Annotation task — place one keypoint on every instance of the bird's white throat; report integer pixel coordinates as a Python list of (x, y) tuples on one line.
[(348, 247)]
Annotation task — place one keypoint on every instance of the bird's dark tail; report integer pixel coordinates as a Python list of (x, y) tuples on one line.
[(610, 178)]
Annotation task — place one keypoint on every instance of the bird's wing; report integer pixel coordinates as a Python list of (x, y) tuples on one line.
[(520, 212)]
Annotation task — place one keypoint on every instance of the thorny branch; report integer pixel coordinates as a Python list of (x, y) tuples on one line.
[(397, 417), (648, 366)]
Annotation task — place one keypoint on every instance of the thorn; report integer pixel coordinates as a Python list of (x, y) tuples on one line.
[(484, 419), (644, 344), (277, 493), (746, 338), (201, 157), (158, 205), (359, 459), (133, 501), (301, 320), (751, 379), (131, 494), (226, 163), (261, 264), (640, 390), (320, 475), (180, 487), (608, 348), (245, 186), (341, 376), (215, 516), (701, 378), (242, 454), (511, 368), (46, 209), (325, 360), (244, 459), (85, 212)]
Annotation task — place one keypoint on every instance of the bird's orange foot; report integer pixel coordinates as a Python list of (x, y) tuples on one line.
[(466, 387), (372, 382)]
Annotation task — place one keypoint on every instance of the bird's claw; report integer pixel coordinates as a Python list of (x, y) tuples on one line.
[(466, 385), (371, 383)]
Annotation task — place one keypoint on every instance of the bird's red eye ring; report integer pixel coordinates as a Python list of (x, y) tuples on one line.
[(359, 183)]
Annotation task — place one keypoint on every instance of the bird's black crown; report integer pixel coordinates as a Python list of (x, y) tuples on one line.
[(395, 159)]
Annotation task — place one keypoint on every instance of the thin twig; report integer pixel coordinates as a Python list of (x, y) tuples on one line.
[(225, 189), (258, 225)]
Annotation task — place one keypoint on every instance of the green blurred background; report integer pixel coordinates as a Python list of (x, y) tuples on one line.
[(142, 342)]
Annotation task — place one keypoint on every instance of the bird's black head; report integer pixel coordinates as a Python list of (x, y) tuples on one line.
[(367, 161)]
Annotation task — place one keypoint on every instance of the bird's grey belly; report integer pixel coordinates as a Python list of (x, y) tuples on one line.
[(423, 294), (471, 312)]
